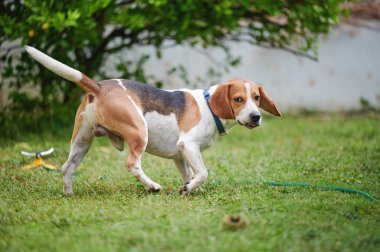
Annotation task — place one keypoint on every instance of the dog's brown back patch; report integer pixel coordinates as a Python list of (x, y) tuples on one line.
[(149, 99)]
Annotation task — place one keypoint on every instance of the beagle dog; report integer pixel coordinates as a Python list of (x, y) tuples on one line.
[(173, 124)]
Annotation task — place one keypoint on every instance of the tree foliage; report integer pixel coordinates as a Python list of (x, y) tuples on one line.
[(83, 34)]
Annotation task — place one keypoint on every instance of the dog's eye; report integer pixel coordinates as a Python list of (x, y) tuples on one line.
[(257, 98), (238, 99)]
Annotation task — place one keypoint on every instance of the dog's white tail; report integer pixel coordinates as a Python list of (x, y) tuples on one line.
[(64, 71)]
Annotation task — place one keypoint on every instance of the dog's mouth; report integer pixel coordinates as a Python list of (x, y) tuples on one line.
[(249, 125)]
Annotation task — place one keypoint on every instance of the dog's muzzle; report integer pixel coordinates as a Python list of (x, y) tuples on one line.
[(255, 121)]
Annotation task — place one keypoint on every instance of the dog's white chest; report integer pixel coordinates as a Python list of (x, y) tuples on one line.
[(163, 134)]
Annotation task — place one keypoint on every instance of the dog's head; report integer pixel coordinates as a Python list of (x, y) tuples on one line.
[(241, 100)]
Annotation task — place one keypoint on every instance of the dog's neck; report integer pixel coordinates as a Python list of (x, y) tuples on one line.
[(228, 124)]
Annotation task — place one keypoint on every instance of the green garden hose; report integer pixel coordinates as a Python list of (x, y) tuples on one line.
[(336, 188)]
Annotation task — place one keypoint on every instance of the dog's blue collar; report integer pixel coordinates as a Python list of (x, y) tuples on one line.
[(218, 123)]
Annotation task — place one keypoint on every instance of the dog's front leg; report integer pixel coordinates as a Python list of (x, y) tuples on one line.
[(192, 155), (184, 169)]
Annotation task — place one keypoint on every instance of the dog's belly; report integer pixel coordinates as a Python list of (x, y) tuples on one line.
[(163, 133)]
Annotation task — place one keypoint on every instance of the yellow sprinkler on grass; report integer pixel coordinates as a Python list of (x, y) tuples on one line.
[(39, 160)]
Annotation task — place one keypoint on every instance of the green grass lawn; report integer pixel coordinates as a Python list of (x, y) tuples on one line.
[(111, 211)]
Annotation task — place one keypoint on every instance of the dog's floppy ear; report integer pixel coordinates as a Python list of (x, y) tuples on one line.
[(220, 102), (267, 103)]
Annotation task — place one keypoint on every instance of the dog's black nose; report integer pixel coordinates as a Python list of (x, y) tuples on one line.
[(255, 117)]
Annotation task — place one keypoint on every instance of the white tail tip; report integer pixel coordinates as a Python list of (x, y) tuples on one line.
[(54, 65)]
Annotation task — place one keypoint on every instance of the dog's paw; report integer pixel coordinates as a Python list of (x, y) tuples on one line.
[(67, 192), (154, 188), (184, 190)]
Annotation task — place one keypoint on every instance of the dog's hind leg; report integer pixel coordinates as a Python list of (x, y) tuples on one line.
[(80, 143), (128, 122), (78, 150), (136, 149)]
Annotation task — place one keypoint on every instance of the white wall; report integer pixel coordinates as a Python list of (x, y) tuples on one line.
[(348, 68)]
